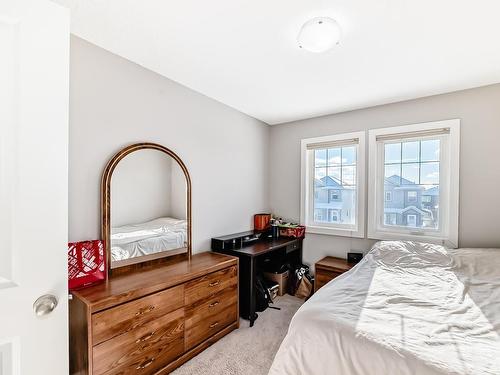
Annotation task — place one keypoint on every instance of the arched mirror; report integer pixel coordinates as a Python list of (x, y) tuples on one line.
[(146, 207)]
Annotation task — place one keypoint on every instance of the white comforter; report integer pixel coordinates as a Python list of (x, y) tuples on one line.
[(130, 241), (407, 308)]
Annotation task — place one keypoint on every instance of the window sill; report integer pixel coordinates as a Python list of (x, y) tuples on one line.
[(403, 235), (334, 232)]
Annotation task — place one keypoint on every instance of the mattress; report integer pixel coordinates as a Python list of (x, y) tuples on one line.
[(162, 234), (406, 308)]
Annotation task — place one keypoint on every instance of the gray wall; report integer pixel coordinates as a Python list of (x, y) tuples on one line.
[(178, 202), (479, 110), (141, 188), (114, 102)]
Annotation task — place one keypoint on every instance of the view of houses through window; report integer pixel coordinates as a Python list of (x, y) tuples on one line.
[(335, 185), (411, 183)]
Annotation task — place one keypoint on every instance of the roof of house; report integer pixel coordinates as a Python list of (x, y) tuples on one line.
[(327, 181), (434, 191), (398, 180)]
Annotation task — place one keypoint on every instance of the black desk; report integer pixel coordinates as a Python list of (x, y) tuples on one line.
[(289, 248)]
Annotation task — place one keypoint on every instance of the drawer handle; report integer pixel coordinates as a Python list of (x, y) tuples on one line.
[(215, 283), (143, 365), (214, 304), (213, 325), (145, 337), (145, 310)]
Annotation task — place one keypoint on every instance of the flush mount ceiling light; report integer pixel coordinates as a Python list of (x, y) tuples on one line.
[(319, 34)]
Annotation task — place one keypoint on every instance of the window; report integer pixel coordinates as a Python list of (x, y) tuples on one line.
[(426, 199), (333, 215), (333, 176), (417, 167), (335, 195), (412, 196)]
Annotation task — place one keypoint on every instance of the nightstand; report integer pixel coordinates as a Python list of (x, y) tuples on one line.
[(329, 268)]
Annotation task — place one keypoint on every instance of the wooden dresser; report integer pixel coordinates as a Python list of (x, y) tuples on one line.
[(153, 320), (328, 269)]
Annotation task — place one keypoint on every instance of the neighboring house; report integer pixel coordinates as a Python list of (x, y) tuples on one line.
[(403, 202), (333, 202), (406, 204), (430, 203)]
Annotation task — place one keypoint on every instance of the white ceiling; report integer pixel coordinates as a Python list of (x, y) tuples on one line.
[(244, 52)]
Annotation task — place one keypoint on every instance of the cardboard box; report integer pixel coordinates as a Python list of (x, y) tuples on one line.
[(281, 279)]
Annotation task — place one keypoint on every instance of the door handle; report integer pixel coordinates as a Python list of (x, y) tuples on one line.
[(44, 305)]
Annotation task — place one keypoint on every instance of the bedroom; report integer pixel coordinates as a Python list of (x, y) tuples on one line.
[(253, 121)]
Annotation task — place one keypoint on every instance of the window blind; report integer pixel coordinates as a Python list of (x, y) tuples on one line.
[(332, 144), (417, 134)]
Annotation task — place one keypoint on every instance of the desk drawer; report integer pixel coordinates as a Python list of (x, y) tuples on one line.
[(209, 326), (208, 285), (143, 350), (292, 247), (124, 318)]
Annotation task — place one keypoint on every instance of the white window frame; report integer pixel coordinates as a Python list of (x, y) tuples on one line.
[(307, 187), (447, 233), (390, 196)]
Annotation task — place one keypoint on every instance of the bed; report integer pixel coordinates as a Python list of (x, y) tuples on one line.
[(130, 241), (406, 308)]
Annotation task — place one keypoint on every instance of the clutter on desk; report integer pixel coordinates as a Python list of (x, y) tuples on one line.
[(261, 222), (292, 230), (273, 226)]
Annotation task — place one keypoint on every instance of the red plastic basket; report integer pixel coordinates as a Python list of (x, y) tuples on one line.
[(297, 232), (86, 263)]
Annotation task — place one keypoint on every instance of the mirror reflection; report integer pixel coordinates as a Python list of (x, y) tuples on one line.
[(148, 208)]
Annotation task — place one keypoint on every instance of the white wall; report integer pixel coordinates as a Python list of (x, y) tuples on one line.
[(178, 201), (479, 111), (141, 188), (114, 103)]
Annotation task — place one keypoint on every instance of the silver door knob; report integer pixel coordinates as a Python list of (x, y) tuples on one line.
[(45, 305)]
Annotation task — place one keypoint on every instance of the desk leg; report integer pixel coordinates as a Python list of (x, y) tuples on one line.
[(252, 314)]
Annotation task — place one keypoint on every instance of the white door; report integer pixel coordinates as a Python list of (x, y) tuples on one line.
[(34, 75), (411, 220)]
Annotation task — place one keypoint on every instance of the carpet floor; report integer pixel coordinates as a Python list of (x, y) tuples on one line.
[(246, 350)]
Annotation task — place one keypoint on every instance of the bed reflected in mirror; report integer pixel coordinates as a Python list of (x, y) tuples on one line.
[(147, 208)]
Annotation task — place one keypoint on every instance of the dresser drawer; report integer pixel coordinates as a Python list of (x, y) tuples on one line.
[(151, 346), (210, 284), (210, 325), (212, 306), (124, 318)]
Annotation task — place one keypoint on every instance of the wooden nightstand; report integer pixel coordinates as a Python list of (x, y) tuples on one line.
[(329, 268)]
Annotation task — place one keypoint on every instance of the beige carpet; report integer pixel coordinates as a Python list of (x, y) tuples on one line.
[(246, 350)]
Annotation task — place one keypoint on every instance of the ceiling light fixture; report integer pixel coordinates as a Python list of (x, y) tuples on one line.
[(319, 34)]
